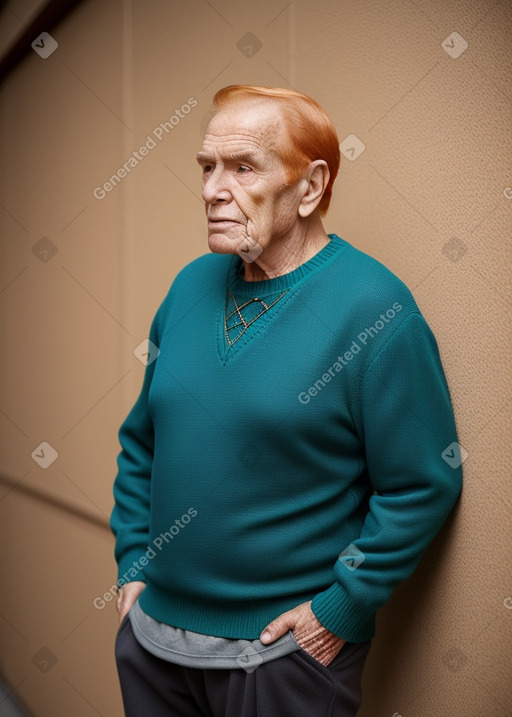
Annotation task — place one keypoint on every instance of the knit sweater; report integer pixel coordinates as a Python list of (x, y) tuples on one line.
[(314, 458)]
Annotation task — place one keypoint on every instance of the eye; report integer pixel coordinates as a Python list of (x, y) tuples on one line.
[(243, 169), (207, 168)]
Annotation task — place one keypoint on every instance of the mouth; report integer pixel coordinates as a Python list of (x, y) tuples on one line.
[(222, 223)]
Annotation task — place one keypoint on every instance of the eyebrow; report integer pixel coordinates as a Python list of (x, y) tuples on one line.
[(242, 155)]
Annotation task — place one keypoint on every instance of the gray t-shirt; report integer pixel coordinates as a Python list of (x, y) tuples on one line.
[(193, 649)]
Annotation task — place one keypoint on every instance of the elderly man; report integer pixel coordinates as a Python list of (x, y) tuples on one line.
[(293, 450)]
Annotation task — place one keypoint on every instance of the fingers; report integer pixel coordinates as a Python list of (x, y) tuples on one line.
[(275, 629), (127, 596), (122, 606), (281, 625)]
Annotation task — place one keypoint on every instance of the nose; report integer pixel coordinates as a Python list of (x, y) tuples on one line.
[(215, 188)]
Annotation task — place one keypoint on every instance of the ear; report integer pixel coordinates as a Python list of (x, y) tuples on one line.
[(315, 180)]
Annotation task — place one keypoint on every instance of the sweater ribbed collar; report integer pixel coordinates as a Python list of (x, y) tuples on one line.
[(243, 288)]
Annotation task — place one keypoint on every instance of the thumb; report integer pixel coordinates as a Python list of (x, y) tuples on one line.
[(278, 627)]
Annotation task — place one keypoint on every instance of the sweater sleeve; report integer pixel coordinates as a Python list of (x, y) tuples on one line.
[(405, 418), (129, 520)]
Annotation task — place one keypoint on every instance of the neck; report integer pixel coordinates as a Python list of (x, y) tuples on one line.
[(287, 255)]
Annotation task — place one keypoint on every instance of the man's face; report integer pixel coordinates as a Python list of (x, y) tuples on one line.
[(247, 198)]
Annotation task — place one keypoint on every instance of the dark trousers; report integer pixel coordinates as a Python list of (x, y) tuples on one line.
[(295, 685)]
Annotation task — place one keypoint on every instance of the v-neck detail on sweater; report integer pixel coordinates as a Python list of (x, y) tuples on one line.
[(283, 288)]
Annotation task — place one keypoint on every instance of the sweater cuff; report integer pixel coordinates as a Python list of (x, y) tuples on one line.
[(341, 616), (130, 566)]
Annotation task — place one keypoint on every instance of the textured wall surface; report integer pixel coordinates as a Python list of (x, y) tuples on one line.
[(420, 94)]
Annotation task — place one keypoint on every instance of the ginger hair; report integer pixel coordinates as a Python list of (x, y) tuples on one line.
[(310, 132)]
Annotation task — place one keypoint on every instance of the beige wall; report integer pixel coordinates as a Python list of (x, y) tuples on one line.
[(428, 197)]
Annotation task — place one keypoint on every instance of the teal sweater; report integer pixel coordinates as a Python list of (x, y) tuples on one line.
[(310, 460)]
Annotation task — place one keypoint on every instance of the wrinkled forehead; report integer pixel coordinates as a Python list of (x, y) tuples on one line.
[(257, 125)]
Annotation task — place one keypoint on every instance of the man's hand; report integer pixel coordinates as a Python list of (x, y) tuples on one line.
[(127, 596), (311, 635)]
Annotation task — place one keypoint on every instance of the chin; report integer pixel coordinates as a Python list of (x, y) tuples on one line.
[(221, 244)]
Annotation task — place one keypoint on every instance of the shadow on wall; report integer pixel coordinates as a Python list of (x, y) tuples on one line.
[(9, 707), (405, 620)]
